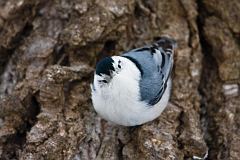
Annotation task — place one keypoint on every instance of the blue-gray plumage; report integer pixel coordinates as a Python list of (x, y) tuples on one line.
[(155, 68), (134, 88)]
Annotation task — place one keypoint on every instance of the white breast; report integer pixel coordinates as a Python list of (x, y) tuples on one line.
[(120, 103)]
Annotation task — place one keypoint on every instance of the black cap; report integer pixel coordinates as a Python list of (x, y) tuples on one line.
[(104, 66)]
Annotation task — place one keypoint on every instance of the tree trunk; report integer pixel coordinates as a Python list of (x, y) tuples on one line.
[(48, 51)]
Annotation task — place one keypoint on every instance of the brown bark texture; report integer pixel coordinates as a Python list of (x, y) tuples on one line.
[(48, 51)]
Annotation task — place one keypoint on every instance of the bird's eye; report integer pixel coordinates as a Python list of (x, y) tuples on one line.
[(104, 81), (119, 66)]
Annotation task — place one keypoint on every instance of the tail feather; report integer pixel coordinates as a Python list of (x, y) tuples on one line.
[(166, 44), (166, 47)]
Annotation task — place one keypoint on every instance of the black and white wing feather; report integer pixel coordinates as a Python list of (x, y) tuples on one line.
[(155, 63)]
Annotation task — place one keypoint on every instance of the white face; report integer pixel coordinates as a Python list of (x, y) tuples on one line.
[(118, 65)]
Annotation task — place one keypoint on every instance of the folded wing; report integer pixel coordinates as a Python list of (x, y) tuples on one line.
[(155, 63)]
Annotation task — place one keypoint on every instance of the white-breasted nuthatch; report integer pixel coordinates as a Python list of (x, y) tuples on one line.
[(134, 88)]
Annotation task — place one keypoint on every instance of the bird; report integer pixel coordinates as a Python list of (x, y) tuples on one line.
[(134, 88)]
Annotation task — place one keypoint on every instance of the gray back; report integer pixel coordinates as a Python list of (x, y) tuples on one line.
[(156, 69)]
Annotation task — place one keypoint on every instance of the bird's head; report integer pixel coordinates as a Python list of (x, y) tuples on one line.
[(107, 68)]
